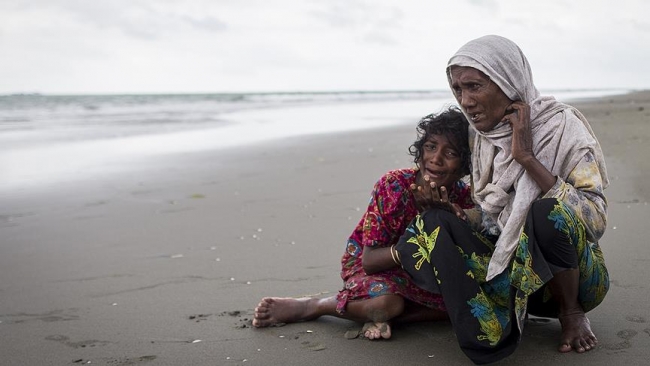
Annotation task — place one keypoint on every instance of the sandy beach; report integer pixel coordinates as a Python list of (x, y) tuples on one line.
[(163, 264)]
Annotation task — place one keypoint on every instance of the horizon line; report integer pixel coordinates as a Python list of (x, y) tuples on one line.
[(351, 91)]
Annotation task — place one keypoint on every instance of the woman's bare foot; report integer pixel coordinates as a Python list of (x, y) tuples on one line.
[(576, 333), (275, 310), (376, 330)]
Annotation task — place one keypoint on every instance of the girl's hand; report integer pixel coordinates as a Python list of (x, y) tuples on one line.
[(427, 196), (518, 115)]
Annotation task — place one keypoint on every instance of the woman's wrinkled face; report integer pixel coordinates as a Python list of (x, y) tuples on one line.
[(481, 99), (440, 160)]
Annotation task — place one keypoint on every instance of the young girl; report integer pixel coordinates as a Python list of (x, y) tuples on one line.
[(376, 288)]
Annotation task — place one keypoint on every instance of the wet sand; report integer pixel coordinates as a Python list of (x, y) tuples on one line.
[(165, 264)]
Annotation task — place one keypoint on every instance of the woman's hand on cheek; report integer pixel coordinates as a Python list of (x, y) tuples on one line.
[(522, 136)]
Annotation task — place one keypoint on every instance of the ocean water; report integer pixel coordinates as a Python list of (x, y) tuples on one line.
[(49, 138), (101, 116)]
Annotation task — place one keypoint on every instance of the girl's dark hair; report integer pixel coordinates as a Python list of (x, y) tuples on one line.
[(450, 123)]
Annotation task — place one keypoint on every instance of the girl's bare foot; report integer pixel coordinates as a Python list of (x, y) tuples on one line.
[(376, 330), (275, 310), (576, 333)]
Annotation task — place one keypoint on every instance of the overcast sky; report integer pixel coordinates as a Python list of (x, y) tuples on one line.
[(173, 46)]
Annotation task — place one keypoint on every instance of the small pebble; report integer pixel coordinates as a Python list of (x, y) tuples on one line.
[(232, 278), (218, 259), (196, 341)]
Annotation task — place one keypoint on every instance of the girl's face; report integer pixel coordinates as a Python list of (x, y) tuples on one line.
[(481, 99), (440, 160)]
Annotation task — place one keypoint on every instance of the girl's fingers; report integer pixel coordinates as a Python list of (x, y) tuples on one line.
[(435, 195), (444, 195)]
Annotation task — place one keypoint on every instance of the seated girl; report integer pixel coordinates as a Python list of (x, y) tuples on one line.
[(377, 291)]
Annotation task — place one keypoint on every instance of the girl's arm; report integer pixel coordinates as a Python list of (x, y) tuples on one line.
[(379, 259), (387, 216)]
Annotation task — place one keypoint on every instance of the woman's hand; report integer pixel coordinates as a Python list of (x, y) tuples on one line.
[(518, 115), (429, 196)]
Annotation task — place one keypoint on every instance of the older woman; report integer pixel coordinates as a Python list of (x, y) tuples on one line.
[(538, 174)]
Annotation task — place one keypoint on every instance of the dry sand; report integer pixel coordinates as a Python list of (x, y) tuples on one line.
[(164, 267)]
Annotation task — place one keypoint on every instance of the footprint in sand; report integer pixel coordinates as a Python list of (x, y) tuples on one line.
[(124, 361), (313, 346), (199, 317), (635, 319), (48, 317), (243, 322), (81, 344), (626, 335)]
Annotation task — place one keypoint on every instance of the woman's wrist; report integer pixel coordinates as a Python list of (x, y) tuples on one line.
[(540, 174)]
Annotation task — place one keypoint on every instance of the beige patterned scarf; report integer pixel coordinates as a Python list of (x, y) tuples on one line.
[(561, 137)]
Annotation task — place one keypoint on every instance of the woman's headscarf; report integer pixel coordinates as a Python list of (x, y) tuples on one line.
[(561, 137)]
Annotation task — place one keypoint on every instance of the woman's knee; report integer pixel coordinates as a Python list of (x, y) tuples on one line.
[(543, 207), (554, 243), (543, 228)]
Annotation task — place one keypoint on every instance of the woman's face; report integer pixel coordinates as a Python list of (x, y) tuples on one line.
[(481, 99), (440, 160)]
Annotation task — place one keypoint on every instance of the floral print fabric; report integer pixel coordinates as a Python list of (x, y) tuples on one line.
[(390, 210), (445, 256)]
